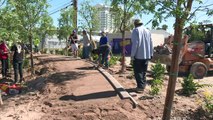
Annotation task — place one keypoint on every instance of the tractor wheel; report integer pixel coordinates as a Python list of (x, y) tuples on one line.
[(168, 68), (198, 70)]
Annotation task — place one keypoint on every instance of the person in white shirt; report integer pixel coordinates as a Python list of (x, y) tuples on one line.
[(141, 53), (86, 45)]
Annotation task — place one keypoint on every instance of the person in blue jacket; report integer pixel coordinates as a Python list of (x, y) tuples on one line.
[(104, 50)]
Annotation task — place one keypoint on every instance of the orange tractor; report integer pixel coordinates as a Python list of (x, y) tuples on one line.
[(196, 57)]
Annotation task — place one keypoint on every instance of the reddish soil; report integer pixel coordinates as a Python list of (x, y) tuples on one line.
[(65, 88), (184, 108)]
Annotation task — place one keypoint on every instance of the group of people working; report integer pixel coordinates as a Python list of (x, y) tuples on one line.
[(15, 55), (89, 46), (141, 52)]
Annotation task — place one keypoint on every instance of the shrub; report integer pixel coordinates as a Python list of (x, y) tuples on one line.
[(26, 63), (158, 71), (94, 56), (208, 102), (113, 60), (189, 86), (156, 86)]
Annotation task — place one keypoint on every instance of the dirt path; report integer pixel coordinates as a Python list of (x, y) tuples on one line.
[(72, 90)]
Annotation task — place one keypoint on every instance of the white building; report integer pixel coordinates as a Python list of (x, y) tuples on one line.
[(52, 42), (105, 17)]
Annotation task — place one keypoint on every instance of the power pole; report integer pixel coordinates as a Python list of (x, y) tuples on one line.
[(75, 5)]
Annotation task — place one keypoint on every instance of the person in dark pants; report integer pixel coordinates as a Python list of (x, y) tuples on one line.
[(141, 53), (104, 50), (18, 55), (4, 51)]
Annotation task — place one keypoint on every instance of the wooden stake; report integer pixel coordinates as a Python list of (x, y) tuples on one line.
[(1, 101)]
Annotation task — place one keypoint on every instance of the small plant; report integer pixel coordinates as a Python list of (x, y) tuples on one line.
[(208, 102), (26, 63), (94, 57), (80, 52), (156, 86), (189, 86), (113, 60), (158, 71)]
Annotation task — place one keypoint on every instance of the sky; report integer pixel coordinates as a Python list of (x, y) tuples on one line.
[(56, 5)]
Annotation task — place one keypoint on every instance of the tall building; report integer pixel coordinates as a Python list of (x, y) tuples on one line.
[(105, 17)]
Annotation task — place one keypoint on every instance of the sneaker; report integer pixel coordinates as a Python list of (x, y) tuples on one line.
[(106, 68), (139, 90)]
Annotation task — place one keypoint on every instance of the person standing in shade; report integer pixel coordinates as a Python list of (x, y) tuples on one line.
[(141, 53), (18, 50), (74, 43), (4, 51), (86, 45), (104, 50)]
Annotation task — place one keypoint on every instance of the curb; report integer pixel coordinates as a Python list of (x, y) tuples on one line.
[(116, 85)]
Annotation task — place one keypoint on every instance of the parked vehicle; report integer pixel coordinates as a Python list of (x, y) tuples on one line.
[(196, 56)]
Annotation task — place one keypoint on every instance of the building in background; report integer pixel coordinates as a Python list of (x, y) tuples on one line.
[(52, 42), (105, 17)]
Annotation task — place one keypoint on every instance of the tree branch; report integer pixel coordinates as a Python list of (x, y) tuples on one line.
[(199, 9), (3, 3)]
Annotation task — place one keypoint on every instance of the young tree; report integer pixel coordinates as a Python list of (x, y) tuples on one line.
[(45, 28), (9, 24), (2, 2), (66, 24), (29, 14), (118, 13), (90, 17), (130, 8)]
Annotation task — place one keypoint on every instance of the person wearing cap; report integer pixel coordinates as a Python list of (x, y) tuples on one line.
[(86, 45), (141, 53), (74, 43), (4, 51), (104, 50)]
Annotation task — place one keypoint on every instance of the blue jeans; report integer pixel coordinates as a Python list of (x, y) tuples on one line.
[(86, 52), (17, 66), (4, 63), (140, 69), (104, 53)]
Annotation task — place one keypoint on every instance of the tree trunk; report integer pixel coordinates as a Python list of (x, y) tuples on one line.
[(43, 43), (67, 46), (174, 69), (179, 24), (75, 18), (90, 34), (123, 67), (31, 54)]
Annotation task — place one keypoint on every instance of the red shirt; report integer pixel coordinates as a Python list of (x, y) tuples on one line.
[(3, 49)]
